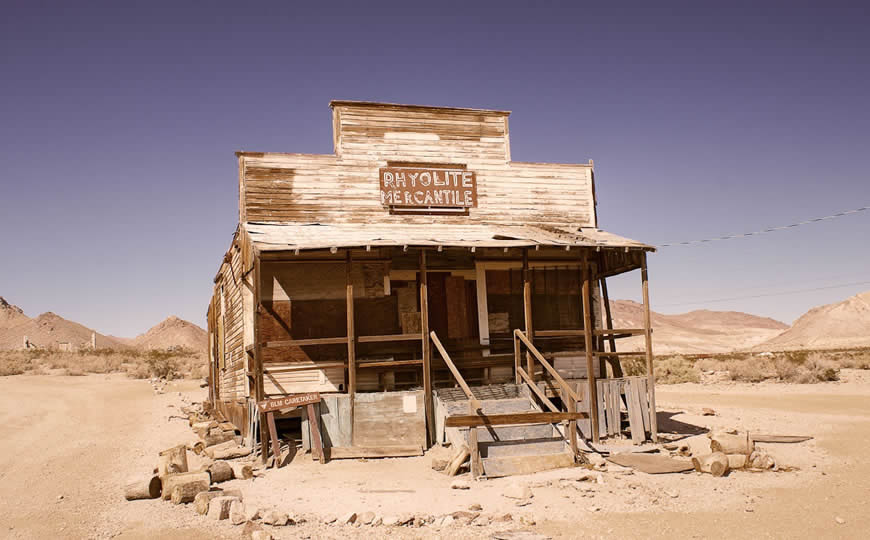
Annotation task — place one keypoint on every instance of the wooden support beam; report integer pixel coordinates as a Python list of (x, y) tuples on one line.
[(592, 394), (389, 337), (304, 342), (654, 433), (259, 386), (314, 425), (427, 360), (527, 313), (515, 419), (351, 344)]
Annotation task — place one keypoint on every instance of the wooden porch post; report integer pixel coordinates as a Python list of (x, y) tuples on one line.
[(527, 313), (259, 387), (615, 364), (351, 342), (427, 367), (647, 332), (592, 394)]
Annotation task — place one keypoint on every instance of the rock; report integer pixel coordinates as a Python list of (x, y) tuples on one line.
[(237, 513), (203, 498), (475, 507), (706, 411), (527, 520), (391, 521), (839, 520), (366, 518), (219, 507), (439, 464), (596, 460), (524, 502), (672, 494), (503, 518), (518, 491), (444, 521), (252, 514), (275, 518), (460, 484), (348, 518)]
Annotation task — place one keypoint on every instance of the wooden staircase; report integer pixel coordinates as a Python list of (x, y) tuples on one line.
[(504, 428)]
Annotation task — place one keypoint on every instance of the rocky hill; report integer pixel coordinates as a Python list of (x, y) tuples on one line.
[(50, 330), (173, 332), (701, 331), (841, 325), (11, 315)]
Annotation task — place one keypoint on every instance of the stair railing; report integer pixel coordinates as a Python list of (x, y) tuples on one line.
[(473, 405), (569, 396)]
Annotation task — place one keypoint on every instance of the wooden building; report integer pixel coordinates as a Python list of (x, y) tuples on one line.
[(420, 280)]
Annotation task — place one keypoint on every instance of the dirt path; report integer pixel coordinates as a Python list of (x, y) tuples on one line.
[(79, 438)]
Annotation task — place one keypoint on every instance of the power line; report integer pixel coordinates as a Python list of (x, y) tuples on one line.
[(768, 230), (783, 293)]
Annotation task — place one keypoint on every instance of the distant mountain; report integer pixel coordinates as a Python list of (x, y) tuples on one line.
[(173, 332), (50, 330), (700, 331), (844, 324), (10, 315)]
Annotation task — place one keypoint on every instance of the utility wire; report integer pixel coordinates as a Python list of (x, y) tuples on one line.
[(768, 230), (783, 293)]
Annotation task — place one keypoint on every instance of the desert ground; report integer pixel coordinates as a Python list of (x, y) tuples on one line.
[(71, 441)]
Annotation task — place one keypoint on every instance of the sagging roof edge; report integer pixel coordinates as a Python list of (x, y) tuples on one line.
[(423, 108)]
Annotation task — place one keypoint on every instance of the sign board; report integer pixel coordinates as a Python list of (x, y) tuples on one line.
[(428, 187), (296, 400)]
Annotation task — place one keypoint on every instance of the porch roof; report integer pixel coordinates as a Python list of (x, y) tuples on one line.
[(307, 236)]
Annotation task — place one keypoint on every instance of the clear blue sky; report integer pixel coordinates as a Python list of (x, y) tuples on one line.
[(120, 119)]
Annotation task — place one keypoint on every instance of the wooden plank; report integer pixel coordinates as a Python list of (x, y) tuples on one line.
[(644, 404), (426, 352), (513, 419), (273, 433), (537, 391), (258, 356), (452, 367), (305, 342), (767, 438), (314, 425), (651, 463), (352, 452), (351, 346), (389, 338), (550, 369), (389, 419), (602, 408), (626, 331), (649, 352), (389, 363), (635, 417), (590, 359), (616, 389)]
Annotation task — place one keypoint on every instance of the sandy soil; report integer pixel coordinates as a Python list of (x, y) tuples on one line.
[(72, 441)]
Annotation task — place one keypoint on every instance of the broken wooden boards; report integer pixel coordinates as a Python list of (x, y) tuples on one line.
[(651, 463)]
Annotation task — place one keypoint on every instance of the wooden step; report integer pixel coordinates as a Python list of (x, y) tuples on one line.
[(535, 447), (515, 433), (494, 467)]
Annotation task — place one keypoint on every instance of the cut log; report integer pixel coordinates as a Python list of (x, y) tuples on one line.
[(203, 498), (737, 461), (201, 428), (732, 444), (220, 471), (462, 454), (172, 460), (217, 437), (227, 426), (172, 480), (198, 447), (148, 487), (715, 463), (242, 471), (228, 452), (187, 492)]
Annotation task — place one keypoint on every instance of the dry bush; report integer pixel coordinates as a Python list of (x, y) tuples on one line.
[(750, 370), (859, 359), (137, 364), (668, 369), (10, 367)]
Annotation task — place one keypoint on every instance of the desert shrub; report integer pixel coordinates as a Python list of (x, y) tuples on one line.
[(10, 367), (632, 366), (856, 359), (819, 369), (750, 370), (138, 371), (161, 364), (675, 370)]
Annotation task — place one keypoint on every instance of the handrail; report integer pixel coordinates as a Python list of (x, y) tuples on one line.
[(454, 370), (537, 354)]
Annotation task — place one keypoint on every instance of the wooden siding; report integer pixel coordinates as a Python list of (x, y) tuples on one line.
[(344, 187), (232, 375)]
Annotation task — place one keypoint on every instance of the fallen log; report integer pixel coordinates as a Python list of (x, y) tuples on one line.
[(737, 461), (462, 454), (201, 428), (187, 492), (242, 471), (203, 498), (220, 471), (228, 453), (758, 437), (170, 481), (148, 487), (715, 463), (172, 460), (732, 444), (215, 438)]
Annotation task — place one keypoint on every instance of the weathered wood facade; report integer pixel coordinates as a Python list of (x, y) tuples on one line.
[(418, 256)]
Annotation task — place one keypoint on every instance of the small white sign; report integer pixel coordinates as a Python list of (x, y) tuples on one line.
[(409, 404)]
